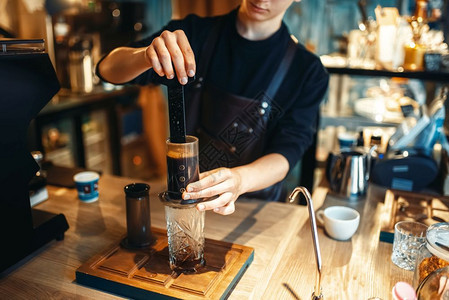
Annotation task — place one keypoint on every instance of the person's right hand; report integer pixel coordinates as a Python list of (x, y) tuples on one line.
[(172, 49)]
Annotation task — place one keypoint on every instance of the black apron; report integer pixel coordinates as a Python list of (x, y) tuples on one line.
[(232, 129)]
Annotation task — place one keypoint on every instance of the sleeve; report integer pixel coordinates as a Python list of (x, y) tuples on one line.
[(188, 25), (294, 131)]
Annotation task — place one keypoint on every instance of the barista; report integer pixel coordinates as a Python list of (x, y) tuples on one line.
[(253, 104)]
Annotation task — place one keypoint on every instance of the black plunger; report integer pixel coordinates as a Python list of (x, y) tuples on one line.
[(176, 108)]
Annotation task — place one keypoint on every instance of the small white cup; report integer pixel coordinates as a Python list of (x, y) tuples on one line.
[(340, 222)]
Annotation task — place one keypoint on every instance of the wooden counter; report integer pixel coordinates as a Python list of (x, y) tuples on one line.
[(283, 266)]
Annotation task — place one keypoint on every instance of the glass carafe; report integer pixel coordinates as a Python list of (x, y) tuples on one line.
[(431, 277)]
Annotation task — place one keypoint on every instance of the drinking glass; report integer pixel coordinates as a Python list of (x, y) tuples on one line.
[(185, 231), (408, 238)]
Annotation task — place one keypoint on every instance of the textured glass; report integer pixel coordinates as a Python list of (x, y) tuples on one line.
[(185, 230), (408, 238)]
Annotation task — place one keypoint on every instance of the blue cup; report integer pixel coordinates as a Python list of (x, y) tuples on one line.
[(87, 186)]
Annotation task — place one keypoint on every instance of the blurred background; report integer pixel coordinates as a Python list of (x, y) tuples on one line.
[(121, 129)]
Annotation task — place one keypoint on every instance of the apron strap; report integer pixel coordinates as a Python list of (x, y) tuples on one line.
[(194, 99), (208, 50), (282, 70)]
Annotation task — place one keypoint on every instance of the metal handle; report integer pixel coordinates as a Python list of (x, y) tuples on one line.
[(317, 294), (369, 158)]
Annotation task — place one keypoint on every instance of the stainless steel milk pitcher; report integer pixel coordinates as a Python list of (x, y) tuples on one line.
[(348, 172)]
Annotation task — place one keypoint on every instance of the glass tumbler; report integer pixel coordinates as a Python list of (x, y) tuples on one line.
[(185, 232), (408, 238)]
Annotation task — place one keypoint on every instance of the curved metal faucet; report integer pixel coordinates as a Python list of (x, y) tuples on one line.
[(317, 294)]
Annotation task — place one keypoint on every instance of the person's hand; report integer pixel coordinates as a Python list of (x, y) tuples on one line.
[(222, 182), (172, 49)]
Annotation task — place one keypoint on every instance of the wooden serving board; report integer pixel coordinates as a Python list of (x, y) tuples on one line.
[(145, 274), (409, 206)]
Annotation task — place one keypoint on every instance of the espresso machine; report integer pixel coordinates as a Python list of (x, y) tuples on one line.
[(82, 35), (28, 82)]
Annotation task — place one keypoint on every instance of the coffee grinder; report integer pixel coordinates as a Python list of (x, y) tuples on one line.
[(28, 82)]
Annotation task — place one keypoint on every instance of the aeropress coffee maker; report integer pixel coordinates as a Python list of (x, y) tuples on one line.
[(185, 224), (139, 268)]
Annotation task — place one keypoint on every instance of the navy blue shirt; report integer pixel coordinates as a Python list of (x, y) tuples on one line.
[(245, 68)]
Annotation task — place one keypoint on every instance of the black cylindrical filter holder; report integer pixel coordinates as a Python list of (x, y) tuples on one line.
[(138, 219)]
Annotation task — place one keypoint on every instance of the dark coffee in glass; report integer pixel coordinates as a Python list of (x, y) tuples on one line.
[(185, 231), (182, 165), (181, 172)]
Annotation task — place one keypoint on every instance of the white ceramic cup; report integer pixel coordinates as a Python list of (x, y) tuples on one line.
[(340, 222)]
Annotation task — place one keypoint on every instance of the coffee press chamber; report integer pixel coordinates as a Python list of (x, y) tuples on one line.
[(182, 167), (138, 221)]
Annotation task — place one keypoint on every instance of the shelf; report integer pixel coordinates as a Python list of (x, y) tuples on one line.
[(61, 157), (74, 107), (424, 75), (68, 103), (339, 112), (337, 64), (351, 121)]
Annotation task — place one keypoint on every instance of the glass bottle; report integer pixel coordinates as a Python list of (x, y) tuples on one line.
[(420, 13)]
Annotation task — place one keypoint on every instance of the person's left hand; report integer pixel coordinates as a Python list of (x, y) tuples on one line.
[(222, 182)]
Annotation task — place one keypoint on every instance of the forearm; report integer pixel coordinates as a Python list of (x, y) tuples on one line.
[(263, 172), (124, 64), (228, 184)]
